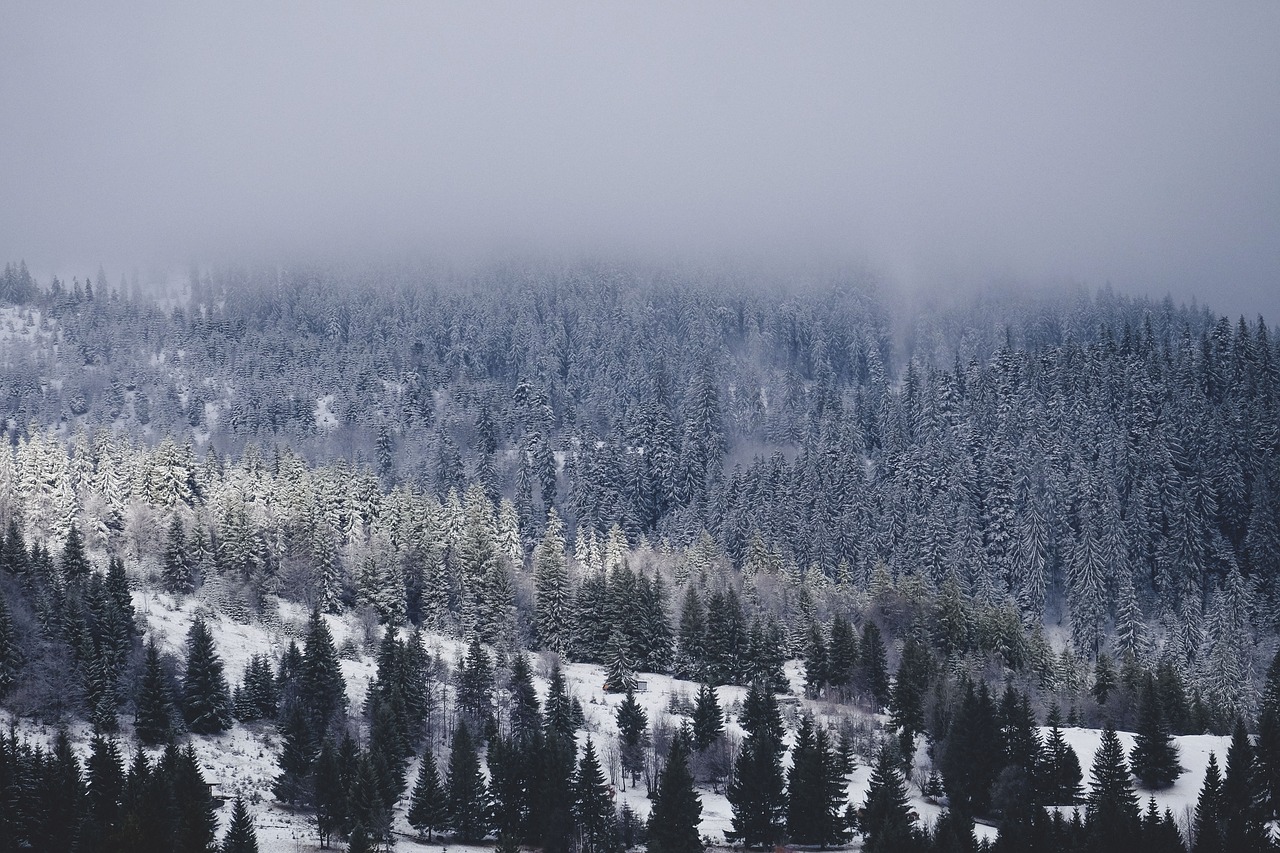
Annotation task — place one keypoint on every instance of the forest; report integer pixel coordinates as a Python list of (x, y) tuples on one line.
[(967, 528)]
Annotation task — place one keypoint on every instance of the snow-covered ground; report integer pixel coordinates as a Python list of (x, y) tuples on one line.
[(242, 761)]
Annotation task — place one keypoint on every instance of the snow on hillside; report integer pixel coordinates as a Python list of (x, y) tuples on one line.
[(242, 761), (1193, 752)]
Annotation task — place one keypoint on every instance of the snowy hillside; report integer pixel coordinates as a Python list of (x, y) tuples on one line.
[(243, 760)]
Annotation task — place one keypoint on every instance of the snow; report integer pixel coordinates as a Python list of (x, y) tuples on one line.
[(242, 761)]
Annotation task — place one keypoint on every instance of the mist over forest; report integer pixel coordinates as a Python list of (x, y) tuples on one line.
[(587, 428)]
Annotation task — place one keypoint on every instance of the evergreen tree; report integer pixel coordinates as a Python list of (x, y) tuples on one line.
[(816, 666), (321, 689), (1060, 775), (427, 805), (467, 795), (559, 710), (691, 643), (330, 793), (815, 794), (552, 593), (177, 575), (620, 675), (1245, 828), (633, 724), (1112, 804), (1155, 757), (154, 720), (886, 821), (871, 677), (842, 657), (708, 721), (9, 654), (1210, 809), (677, 809), (297, 754), (756, 793), (240, 837), (906, 705), (475, 684), (593, 806), (206, 701), (1267, 755)]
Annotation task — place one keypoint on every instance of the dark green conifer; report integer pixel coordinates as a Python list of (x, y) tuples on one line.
[(1154, 757), (241, 836), (206, 701), (467, 794), (427, 805), (677, 809)]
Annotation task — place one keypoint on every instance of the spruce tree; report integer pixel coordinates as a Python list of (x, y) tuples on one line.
[(154, 720), (206, 701), (1267, 755), (816, 666), (297, 754), (240, 837), (677, 809), (886, 818), (551, 584), (620, 675), (815, 789), (1244, 826), (177, 575), (756, 794), (842, 656), (708, 720), (692, 637), (593, 806), (1060, 775), (871, 677), (427, 806), (475, 684), (906, 706), (9, 655), (330, 793), (633, 725), (1210, 808), (1113, 806), (321, 689), (1154, 757), (467, 795), (559, 707)]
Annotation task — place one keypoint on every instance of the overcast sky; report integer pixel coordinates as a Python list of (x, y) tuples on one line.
[(936, 142)]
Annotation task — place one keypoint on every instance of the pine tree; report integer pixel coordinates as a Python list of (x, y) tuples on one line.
[(1060, 775), (1245, 828), (552, 589), (677, 809), (330, 793), (9, 654), (1210, 808), (593, 806), (871, 678), (815, 662), (815, 789), (206, 700), (1267, 755), (297, 754), (633, 724), (559, 710), (240, 837), (177, 576), (321, 689), (1155, 757), (708, 720), (886, 818), (475, 684), (691, 643), (906, 706), (620, 675), (427, 805), (756, 794), (467, 796), (1112, 804), (154, 720), (842, 657)]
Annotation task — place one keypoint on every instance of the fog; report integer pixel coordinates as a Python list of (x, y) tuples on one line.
[(938, 144)]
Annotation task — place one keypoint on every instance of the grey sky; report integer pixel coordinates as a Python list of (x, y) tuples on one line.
[(936, 142)]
